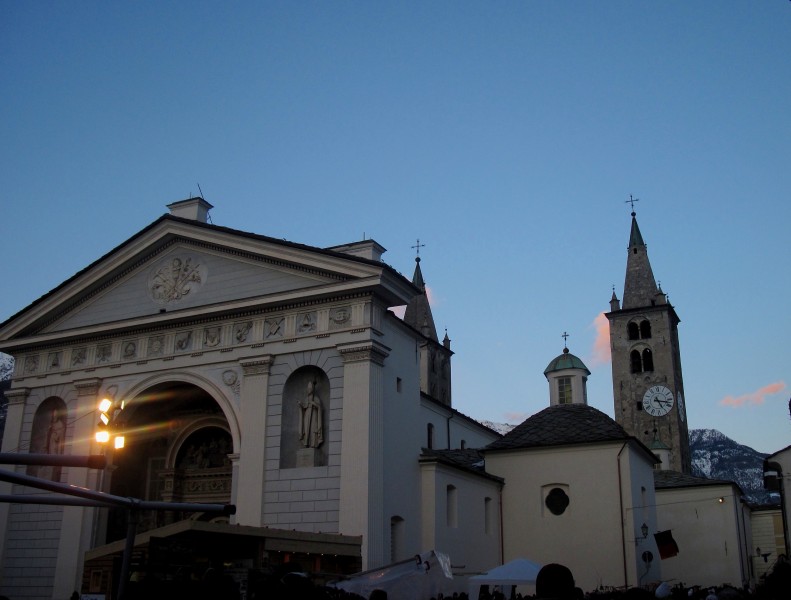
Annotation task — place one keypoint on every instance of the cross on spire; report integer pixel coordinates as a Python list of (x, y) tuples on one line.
[(565, 337), (417, 247), (631, 201)]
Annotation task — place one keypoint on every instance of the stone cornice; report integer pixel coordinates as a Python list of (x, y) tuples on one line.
[(88, 387), (256, 366), (17, 396), (369, 350)]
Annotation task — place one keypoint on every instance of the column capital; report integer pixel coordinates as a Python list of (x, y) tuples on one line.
[(17, 396), (369, 350), (256, 366)]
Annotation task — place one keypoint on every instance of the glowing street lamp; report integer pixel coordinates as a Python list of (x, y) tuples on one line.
[(108, 425)]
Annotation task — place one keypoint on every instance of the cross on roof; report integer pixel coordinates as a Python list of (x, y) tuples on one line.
[(631, 201), (565, 337), (418, 246)]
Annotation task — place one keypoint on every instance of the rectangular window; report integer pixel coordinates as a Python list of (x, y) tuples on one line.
[(564, 390), (398, 385), (451, 506), (487, 516)]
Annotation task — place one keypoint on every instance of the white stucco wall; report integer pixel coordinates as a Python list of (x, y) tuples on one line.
[(712, 536)]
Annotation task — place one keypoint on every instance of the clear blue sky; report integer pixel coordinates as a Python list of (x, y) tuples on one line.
[(507, 136)]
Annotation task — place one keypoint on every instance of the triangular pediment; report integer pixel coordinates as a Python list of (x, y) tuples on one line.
[(180, 269)]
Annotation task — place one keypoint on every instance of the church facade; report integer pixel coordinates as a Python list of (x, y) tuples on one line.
[(251, 371)]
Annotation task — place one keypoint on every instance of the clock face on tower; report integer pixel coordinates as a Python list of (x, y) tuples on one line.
[(657, 401)]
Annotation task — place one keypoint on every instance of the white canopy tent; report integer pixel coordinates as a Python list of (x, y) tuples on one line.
[(519, 571)]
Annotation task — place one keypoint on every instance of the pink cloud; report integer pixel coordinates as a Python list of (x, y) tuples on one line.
[(600, 354), (756, 397)]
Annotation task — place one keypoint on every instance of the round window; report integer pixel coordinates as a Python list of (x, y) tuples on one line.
[(557, 501)]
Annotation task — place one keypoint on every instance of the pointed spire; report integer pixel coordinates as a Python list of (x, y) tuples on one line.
[(640, 287), (418, 311), (446, 340), (615, 304)]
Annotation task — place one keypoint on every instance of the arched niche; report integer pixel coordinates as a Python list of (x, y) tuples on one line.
[(48, 436), (305, 417)]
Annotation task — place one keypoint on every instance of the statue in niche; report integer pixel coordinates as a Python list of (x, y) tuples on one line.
[(311, 431), (54, 444)]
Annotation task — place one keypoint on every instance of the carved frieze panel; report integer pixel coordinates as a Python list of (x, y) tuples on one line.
[(340, 317), (241, 331), (55, 360), (129, 350), (183, 341), (31, 364), (156, 346), (306, 322), (104, 353), (79, 357), (273, 327), (212, 336)]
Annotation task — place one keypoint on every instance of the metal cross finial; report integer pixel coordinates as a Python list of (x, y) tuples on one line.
[(418, 246), (631, 201), (565, 337)]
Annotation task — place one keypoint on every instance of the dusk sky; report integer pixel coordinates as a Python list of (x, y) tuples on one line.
[(506, 136)]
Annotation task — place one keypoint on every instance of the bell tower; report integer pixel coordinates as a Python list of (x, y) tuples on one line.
[(648, 388)]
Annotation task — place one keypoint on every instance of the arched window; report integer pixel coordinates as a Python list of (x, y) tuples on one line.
[(634, 331), (488, 517), (396, 538), (430, 436), (636, 362), (452, 506), (645, 330), (648, 360)]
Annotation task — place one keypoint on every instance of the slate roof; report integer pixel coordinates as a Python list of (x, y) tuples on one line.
[(665, 479), (561, 425), (468, 459)]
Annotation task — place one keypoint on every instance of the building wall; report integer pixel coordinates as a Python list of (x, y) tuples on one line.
[(461, 518), (713, 537), (767, 529), (598, 489)]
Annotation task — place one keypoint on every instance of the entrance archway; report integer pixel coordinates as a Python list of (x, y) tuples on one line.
[(177, 445)]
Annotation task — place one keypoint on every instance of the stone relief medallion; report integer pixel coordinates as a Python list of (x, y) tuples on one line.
[(340, 317), (241, 331), (104, 353), (31, 364), (273, 327), (183, 341), (211, 337), (156, 345), (129, 350), (306, 322), (175, 278), (231, 379), (79, 357)]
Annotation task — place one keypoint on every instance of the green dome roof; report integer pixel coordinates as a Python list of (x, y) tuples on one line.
[(565, 361)]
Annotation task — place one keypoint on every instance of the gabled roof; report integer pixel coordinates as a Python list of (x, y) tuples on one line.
[(326, 270), (563, 424)]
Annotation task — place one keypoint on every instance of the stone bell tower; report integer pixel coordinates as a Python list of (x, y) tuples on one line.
[(648, 388)]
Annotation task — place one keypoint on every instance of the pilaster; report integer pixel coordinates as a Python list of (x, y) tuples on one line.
[(362, 449), (11, 438), (251, 467), (75, 533)]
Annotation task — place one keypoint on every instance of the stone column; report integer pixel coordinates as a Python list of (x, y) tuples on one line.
[(249, 496), (362, 449), (75, 532), (11, 440)]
